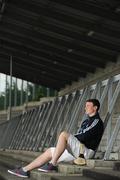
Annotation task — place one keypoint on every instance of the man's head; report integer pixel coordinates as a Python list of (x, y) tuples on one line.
[(92, 106)]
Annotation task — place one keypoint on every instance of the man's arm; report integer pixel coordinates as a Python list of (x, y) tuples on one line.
[(89, 132)]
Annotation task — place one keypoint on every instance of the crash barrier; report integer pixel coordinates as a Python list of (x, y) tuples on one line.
[(38, 128)]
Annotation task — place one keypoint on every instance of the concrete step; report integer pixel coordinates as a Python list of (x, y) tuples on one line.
[(12, 159), (4, 175), (100, 163), (37, 175), (116, 166), (26, 157), (7, 162), (11, 163), (72, 178), (102, 173)]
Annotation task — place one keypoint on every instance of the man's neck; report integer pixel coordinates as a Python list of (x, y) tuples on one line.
[(93, 114)]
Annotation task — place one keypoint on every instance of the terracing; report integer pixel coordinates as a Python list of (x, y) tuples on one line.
[(36, 129)]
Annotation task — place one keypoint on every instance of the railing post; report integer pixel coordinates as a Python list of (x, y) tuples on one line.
[(10, 90)]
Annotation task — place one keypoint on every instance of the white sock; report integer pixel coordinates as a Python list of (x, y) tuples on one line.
[(23, 168), (53, 164)]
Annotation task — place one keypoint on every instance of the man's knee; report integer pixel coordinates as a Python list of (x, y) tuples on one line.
[(49, 151), (64, 134)]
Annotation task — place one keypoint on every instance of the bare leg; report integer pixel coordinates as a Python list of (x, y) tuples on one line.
[(47, 155), (40, 160), (60, 147)]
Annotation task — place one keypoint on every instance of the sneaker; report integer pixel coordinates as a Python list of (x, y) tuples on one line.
[(19, 172), (48, 168), (80, 161)]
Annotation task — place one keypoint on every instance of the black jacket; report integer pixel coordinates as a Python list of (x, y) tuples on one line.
[(91, 132)]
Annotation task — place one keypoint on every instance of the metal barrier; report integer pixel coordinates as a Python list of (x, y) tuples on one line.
[(38, 128)]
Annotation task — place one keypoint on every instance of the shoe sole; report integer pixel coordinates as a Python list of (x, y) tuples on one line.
[(17, 174), (42, 170)]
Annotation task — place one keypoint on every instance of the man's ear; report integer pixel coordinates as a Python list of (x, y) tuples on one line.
[(95, 107)]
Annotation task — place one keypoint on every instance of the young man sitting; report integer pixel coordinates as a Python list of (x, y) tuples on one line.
[(70, 147)]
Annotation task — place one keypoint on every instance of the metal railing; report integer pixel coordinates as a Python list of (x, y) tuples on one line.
[(38, 128)]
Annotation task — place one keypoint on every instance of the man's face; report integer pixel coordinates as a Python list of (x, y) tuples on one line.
[(90, 109)]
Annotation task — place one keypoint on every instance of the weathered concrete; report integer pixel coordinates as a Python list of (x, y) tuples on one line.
[(7, 162), (102, 173), (95, 169), (28, 156)]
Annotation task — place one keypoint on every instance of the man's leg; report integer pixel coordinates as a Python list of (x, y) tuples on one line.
[(39, 161), (81, 159), (47, 155), (44, 158), (60, 147), (65, 157)]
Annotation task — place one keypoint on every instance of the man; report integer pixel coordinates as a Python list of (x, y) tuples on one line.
[(70, 147)]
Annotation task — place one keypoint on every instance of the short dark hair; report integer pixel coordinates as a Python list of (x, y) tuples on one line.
[(95, 102)]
